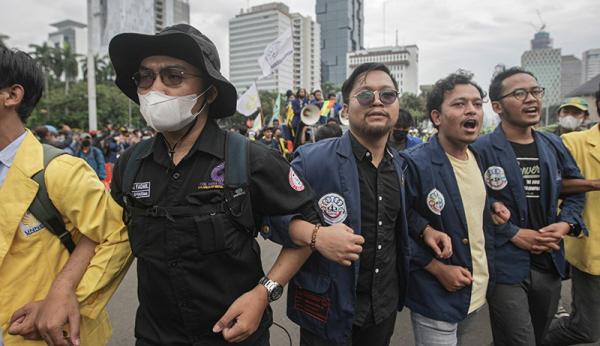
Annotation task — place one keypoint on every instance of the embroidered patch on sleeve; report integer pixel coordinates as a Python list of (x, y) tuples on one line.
[(312, 304)]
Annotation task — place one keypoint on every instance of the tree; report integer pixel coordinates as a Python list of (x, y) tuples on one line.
[(70, 65), (414, 104), (329, 88), (105, 72)]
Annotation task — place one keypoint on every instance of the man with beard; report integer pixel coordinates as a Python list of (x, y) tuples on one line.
[(446, 188), (348, 299), (523, 170)]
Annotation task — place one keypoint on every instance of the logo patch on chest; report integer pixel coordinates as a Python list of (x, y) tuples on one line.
[(30, 225), (334, 208), (217, 178), (141, 190), (495, 178), (436, 201)]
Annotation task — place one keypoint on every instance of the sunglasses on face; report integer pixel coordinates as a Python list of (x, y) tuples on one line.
[(170, 76), (521, 94), (367, 97)]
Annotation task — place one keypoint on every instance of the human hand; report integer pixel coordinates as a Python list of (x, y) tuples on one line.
[(438, 241), (60, 308), (451, 277), (243, 316), (500, 213), (22, 322), (553, 233), (338, 243), (528, 239)]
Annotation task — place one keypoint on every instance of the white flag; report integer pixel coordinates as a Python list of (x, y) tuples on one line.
[(276, 52), (249, 102)]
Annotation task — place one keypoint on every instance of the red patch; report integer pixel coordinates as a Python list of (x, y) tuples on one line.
[(295, 181), (314, 305)]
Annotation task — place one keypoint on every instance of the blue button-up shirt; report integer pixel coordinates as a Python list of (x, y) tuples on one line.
[(7, 156)]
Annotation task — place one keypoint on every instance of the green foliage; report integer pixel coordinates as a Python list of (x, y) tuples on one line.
[(414, 104), (330, 87), (267, 101)]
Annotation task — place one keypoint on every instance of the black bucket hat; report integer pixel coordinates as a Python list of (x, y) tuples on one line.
[(180, 41)]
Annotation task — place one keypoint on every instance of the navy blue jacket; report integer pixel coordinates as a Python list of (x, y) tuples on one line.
[(329, 166), (505, 184), (428, 170)]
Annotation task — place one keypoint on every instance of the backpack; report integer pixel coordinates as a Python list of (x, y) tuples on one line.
[(236, 191), (42, 207)]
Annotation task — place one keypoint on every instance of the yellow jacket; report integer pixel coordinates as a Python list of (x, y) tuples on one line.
[(31, 256), (584, 252)]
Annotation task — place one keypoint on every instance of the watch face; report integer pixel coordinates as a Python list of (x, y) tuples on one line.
[(276, 293)]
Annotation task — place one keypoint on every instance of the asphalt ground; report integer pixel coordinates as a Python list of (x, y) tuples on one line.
[(123, 305)]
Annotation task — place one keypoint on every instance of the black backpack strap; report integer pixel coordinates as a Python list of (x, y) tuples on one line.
[(237, 192), (132, 166), (42, 207)]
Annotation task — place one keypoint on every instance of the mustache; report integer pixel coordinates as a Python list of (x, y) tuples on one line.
[(378, 112)]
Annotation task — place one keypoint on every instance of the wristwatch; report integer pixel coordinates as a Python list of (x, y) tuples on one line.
[(274, 290)]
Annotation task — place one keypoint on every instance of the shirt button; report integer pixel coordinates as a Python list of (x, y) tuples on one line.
[(368, 154), (176, 175), (380, 223), (465, 241), (376, 270), (379, 247), (380, 198), (265, 229)]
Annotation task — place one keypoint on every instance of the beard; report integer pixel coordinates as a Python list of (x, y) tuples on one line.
[(372, 132)]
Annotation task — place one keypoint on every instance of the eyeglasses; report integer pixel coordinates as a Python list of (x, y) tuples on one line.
[(367, 97), (170, 76), (521, 94)]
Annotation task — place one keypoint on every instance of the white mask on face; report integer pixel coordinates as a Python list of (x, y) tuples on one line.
[(569, 122), (169, 113)]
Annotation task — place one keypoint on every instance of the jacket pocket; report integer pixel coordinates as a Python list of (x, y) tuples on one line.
[(211, 233)]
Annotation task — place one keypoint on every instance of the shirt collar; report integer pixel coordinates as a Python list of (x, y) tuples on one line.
[(363, 154), (210, 141), (7, 155)]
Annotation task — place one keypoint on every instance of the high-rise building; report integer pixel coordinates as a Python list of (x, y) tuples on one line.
[(112, 17), (591, 64), (250, 32), (545, 63), (69, 32), (570, 74), (307, 53), (342, 31), (403, 62)]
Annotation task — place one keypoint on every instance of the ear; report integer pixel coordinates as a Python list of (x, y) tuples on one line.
[(15, 96), (436, 117), (497, 107), (212, 94)]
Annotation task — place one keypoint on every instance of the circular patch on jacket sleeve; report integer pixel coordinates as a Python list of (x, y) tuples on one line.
[(495, 178), (334, 208), (295, 181), (436, 201)]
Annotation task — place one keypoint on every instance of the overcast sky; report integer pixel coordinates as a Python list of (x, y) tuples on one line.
[(451, 34)]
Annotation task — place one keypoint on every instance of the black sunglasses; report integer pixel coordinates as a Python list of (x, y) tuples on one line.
[(367, 97), (170, 76)]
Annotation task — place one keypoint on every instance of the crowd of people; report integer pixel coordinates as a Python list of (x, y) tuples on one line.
[(369, 219)]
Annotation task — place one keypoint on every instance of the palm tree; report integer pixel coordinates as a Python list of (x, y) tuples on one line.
[(105, 73), (70, 65)]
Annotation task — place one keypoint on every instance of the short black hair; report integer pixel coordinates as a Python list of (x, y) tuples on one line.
[(317, 91), (360, 69), (405, 119), (328, 131), (496, 84), (442, 86), (17, 67)]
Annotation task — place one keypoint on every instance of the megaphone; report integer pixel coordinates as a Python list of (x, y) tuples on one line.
[(310, 114)]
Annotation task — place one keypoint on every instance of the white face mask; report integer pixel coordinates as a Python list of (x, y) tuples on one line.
[(169, 113), (569, 122)]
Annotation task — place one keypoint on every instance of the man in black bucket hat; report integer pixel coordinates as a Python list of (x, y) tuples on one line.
[(192, 194)]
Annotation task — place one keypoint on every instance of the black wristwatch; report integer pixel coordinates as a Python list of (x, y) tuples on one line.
[(574, 229), (274, 290)]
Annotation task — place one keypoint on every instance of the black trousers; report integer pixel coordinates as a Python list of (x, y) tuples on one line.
[(520, 314), (373, 335)]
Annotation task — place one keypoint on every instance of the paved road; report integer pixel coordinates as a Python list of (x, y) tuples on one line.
[(122, 313)]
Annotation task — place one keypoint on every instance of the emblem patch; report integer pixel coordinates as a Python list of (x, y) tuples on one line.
[(217, 176), (333, 207), (495, 178), (436, 201), (295, 182), (30, 225), (141, 190)]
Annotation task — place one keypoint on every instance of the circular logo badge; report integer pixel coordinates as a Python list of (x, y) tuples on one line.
[(495, 178), (333, 207), (218, 173), (436, 201), (295, 182)]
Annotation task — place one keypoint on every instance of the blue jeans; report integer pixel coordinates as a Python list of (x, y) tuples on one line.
[(430, 332)]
